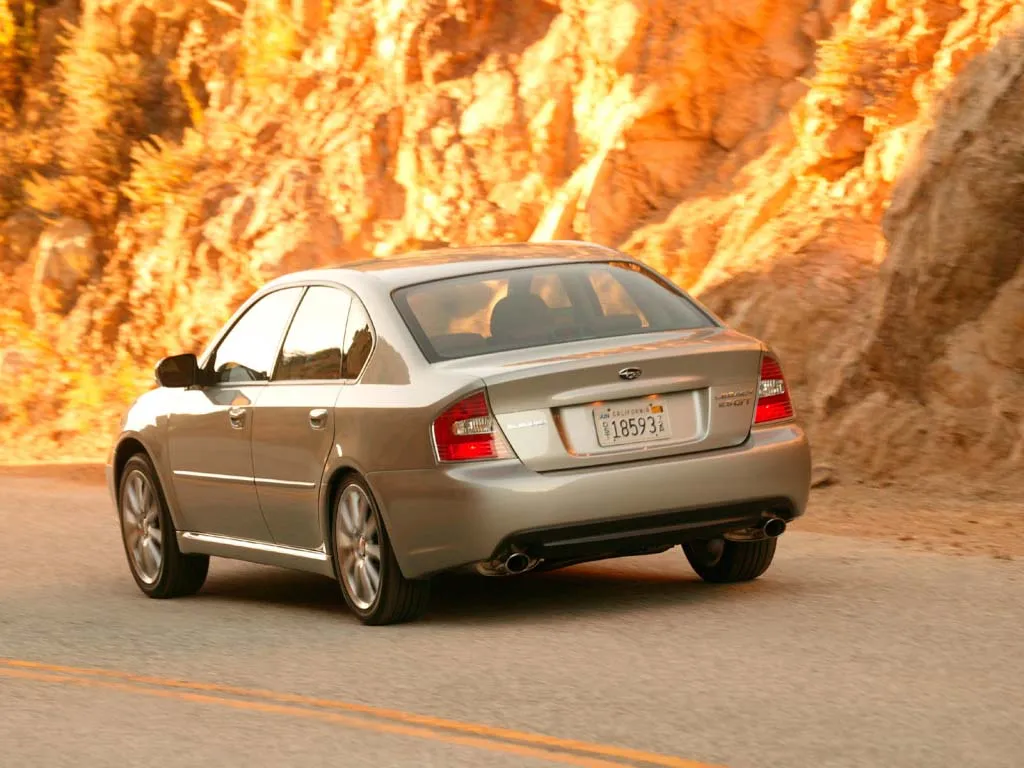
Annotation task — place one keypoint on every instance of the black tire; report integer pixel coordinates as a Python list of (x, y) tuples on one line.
[(397, 599), (720, 561), (177, 574)]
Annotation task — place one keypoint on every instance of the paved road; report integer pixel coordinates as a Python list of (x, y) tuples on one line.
[(844, 654)]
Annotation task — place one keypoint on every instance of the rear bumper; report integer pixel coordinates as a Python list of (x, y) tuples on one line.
[(446, 517)]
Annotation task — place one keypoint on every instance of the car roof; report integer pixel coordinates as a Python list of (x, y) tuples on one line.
[(440, 263)]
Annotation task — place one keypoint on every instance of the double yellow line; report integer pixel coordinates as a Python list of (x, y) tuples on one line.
[(358, 716)]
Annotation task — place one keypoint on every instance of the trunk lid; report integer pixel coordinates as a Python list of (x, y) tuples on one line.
[(623, 399)]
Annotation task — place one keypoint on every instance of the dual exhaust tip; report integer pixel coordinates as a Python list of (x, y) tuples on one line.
[(512, 564), (519, 562), (769, 528)]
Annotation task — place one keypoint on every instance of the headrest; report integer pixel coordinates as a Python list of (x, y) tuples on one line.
[(520, 317)]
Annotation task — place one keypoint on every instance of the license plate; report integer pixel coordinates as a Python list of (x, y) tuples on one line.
[(631, 422)]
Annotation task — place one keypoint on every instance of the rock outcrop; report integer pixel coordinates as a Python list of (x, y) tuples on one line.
[(749, 150), (944, 349)]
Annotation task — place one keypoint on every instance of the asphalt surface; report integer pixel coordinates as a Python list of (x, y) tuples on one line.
[(845, 654)]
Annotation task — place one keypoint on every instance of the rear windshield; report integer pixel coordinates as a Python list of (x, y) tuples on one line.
[(537, 306)]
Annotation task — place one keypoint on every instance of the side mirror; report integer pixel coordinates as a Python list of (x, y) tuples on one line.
[(178, 371)]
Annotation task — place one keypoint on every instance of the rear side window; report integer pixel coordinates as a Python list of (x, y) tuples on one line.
[(358, 341), (312, 349), (538, 306)]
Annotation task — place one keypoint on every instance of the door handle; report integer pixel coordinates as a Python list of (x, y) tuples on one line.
[(236, 416), (318, 418)]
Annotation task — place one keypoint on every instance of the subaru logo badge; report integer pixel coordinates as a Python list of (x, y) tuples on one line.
[(630, 373)]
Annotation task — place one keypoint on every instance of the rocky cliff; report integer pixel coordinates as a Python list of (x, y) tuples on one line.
[(841, 178)]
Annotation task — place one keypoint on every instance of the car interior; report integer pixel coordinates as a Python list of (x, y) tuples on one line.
[(522, 318)]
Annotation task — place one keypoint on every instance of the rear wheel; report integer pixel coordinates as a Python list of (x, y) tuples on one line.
[(147, 531), (721, 561), (371, 581)]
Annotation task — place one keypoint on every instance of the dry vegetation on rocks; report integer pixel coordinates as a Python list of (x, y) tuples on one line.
[(844, 179)]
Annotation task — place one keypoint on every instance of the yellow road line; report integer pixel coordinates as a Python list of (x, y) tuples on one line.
[(385, 720), (315, 714)]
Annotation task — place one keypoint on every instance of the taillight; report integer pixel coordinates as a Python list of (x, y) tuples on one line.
[(468, 432), (773, 403)]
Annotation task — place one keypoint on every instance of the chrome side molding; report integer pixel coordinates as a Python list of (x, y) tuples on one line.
[(244, 479), (284, 483), (212, 476)]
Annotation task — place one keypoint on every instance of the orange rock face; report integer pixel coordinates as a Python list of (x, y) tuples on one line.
[(748, 149)]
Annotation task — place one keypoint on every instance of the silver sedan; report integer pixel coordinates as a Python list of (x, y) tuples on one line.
[(502, 409)]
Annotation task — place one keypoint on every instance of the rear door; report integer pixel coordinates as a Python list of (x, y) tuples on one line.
[(293, 427)]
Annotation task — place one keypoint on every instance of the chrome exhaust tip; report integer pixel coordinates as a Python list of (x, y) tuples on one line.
[(774, 527), (517, 562), (514, 564)]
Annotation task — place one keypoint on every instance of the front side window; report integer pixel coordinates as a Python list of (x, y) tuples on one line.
[(538, 306), (248, 351), (312, 350)]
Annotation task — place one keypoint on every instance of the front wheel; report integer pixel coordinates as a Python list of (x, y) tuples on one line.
[(371, 581), (159, 568), (721, 561)]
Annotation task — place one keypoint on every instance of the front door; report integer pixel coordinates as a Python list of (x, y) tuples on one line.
[(293, 424), (210, 432)]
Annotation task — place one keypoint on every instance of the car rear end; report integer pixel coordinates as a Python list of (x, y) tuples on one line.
[(608, 415)]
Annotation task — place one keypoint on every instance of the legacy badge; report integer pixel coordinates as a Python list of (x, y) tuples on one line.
[(734, 398)]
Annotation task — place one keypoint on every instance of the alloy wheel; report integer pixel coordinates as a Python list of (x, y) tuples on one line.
[(140, 524), (357, 542)]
